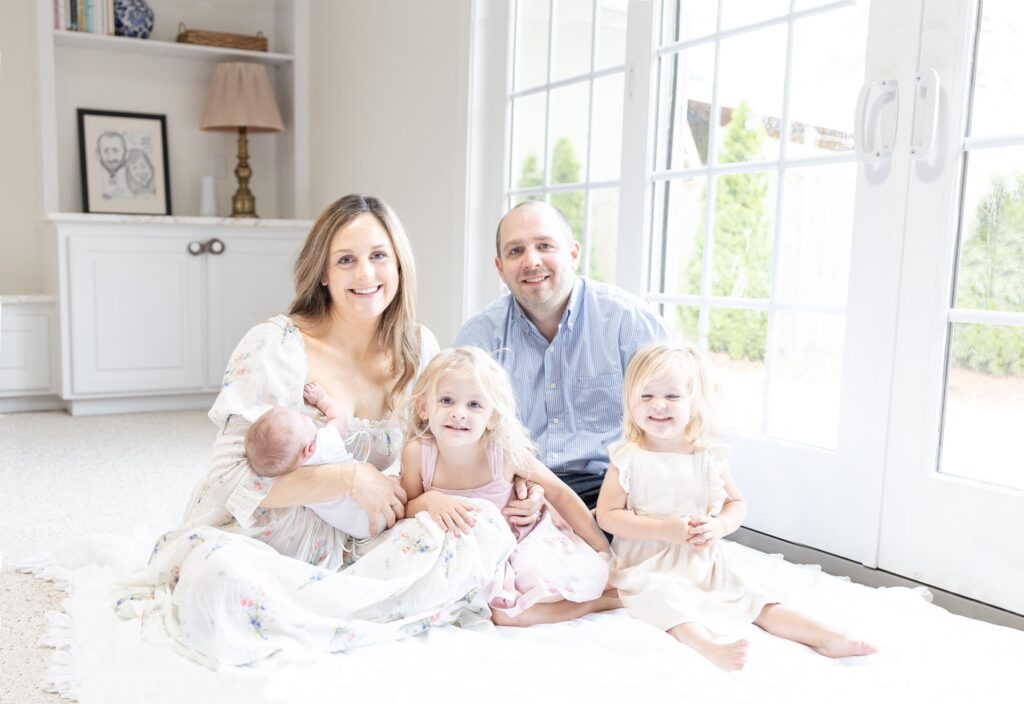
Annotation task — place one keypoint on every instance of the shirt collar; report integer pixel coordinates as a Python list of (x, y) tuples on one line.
[(572, 308)]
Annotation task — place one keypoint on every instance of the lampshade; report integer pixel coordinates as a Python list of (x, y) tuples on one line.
[(241, 96)]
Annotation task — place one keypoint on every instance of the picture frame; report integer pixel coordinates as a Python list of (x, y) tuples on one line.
[(124, 162)]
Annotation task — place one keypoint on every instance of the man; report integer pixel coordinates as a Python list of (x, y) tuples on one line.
[(565, 342)]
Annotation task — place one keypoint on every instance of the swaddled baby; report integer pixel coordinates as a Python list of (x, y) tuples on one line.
[(283, 439)]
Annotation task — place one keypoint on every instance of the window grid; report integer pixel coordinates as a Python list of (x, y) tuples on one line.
[(589, 78), (710, 172)]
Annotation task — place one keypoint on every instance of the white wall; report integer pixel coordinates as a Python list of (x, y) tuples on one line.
[(388, 116), (20, 196)]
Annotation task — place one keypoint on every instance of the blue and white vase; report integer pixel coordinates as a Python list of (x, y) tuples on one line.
[(133, 18)]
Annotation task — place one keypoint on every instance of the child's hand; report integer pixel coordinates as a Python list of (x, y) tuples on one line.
[(704, 531), (676, 529), (312, 392), (449, 513)]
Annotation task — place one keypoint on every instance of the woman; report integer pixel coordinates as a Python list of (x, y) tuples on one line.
[(226, 582)]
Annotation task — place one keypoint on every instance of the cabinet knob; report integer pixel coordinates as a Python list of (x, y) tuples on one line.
[(214, 246), (196, 248)]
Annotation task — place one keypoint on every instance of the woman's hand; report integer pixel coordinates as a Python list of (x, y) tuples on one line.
[(524, 510), (448, 512), (377, 494), (704, 531)]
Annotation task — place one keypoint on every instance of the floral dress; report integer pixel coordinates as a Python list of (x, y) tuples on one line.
[(237, 583), (668, 584)]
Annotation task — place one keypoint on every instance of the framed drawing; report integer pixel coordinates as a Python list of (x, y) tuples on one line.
[(124, 162)]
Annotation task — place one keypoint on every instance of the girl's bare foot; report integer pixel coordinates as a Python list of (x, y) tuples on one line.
[(839, 646), (726, 656)]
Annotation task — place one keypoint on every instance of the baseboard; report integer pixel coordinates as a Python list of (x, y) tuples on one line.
[(140, 404), (841, 567), (26, 404)]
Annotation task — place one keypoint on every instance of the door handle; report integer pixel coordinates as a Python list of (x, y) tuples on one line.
[(872, 142), (214, 246), (926, 113)]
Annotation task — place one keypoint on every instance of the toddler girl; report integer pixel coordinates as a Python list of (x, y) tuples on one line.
[(465, 441), (284, 439), (668, 497)]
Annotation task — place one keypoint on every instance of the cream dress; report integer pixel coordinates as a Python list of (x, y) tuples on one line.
[(667, 584)]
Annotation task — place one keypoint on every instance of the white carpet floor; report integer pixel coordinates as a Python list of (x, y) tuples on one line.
[(64, 476)]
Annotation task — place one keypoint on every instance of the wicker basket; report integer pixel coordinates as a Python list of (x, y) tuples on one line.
[(224, 39)]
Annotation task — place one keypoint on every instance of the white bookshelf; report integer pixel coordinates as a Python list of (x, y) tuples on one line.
[(159, 75)]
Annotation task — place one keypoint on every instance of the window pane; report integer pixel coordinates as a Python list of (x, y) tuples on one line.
[(999, 81), (606, 154), (568, 141), (738, 13), (611, 33), (741, 258), (571, 205), (736, 344), (684, 107), (991, 262), (573, 27), (806, 375), (750, 95), (687, 19), (984, 410), (680, 207), (828, 70), (681, 322), (817, 227), (531, 64), (604, 233), (528, 115)]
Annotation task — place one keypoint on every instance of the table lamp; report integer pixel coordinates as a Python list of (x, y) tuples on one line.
[(241, 98)]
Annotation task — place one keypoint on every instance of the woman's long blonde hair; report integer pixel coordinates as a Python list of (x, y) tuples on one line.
[(508, 435), (397, 332), (652, 361)]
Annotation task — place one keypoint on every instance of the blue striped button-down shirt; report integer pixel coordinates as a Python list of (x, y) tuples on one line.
[(569, 391)]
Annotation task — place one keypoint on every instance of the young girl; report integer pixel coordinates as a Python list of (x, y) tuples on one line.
[(668, 497), (465, 441)]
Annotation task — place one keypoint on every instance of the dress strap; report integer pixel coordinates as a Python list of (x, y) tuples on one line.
[(428, 461), (494, 462)]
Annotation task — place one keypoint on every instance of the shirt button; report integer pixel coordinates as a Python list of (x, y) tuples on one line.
[(552, 386), (551, 349), (555, 421), (555, 455)]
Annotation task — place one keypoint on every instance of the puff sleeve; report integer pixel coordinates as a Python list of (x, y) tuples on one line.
[(623, 455)]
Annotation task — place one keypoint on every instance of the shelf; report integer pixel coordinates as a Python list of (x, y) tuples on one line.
[(176, 220), (153, 47)]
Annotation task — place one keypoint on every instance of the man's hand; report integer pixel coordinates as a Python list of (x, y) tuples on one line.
[(524, 510)]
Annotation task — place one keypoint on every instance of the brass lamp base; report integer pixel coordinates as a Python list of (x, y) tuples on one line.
[(243, 202)]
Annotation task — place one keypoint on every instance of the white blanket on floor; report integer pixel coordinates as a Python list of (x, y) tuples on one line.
[(926, 654)]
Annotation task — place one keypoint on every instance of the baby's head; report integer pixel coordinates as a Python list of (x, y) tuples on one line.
[(276, 443), (666, 392), (463, 397)]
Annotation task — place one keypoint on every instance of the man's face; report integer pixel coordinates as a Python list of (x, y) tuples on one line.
[(538, 258), (111, 148)]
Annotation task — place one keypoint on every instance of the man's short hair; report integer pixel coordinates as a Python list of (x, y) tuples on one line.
[(525, 203)]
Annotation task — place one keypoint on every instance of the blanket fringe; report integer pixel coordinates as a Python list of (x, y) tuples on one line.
[(44, 567), (59, 631), (62, 674)]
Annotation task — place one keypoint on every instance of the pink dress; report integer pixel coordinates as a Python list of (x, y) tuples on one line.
[(549, 563)]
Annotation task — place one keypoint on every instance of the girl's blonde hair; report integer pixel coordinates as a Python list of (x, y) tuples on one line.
[(397, 332), (510, 438), (652, 361)]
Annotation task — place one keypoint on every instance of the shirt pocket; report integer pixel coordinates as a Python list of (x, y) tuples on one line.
[(597, 401)]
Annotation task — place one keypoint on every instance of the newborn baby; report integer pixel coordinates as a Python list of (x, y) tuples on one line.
[(283, 439)]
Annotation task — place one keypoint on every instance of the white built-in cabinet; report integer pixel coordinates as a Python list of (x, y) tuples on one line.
[(142, 322), (150, 311)]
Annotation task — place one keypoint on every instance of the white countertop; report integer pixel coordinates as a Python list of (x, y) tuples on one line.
[(177, 220)]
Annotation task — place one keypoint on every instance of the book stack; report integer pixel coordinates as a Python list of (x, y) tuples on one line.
[(93, 16)]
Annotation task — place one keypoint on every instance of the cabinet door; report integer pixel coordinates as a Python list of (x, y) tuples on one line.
[(136, 315), (250, 281)]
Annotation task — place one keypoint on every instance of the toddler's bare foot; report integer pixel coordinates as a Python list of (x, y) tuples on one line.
[(312, 392), (839, 646), (726, 656)]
